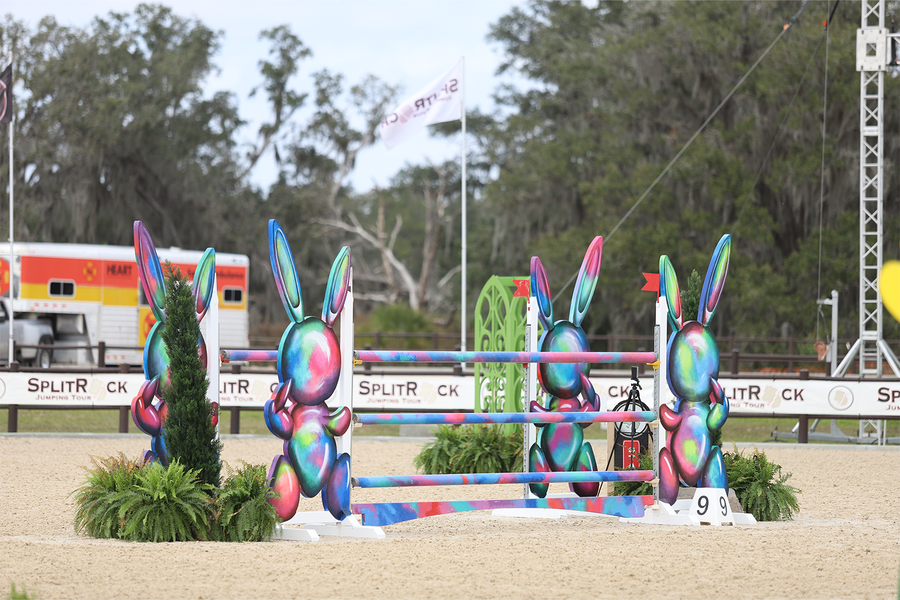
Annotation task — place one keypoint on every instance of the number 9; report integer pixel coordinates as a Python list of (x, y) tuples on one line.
[(703, 504), (724, 504)]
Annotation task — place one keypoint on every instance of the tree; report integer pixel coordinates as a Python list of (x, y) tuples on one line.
[(114, 126), (314, 169), (325, 152), (619, 88), (413, 189), (288, 50), (190, 435)]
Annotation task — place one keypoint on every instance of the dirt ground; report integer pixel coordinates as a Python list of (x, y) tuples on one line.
[(844, 543)]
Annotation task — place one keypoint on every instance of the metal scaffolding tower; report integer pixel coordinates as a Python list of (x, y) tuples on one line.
[(872, 43)]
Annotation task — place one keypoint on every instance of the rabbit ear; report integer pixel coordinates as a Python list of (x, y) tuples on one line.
[(540, 288), (204, 285), (150, 271), (586, 282), (668, 288), (715, 280), (338, 286), (285, 272)]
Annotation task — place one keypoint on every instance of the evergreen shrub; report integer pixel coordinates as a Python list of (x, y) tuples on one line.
[(400, 318), (690, 296), (190, 434)]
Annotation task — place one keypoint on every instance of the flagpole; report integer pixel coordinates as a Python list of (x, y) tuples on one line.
[(464, 224), (12, 344)]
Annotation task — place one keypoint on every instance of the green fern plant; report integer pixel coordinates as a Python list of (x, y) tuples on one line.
[(760, 486), (488, 450), (98, 501), (438, 456), (167, 504), (472, 449), (241, 511), (126, 499)]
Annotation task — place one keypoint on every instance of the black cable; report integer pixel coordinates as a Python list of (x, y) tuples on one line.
[(833, 9), (787, 114), (633, 402)]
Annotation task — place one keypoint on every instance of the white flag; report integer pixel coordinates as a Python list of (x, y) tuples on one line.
[(439, 101)]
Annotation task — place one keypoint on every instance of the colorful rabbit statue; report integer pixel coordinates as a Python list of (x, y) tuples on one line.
[(148, 409), (701, 405), (309, 366), (561, 446)]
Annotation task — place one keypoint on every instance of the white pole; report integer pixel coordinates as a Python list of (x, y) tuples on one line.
[(344, 392), (464, 225), (12, 289), (531, 385), (213, 356), (660, 386)]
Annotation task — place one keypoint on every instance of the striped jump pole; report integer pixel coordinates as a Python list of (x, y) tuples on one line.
[(387, 513), (638, 416), (443, 356), (389, 481), (248, 355)]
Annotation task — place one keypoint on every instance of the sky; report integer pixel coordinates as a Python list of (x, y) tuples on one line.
[(403, 42)]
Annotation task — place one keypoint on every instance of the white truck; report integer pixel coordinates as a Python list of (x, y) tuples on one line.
[(82, 294), (28, 332)]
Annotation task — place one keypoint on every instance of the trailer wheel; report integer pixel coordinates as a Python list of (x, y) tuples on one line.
[(44, 355)]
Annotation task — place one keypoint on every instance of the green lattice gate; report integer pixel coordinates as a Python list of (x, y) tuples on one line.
[(499, 327)]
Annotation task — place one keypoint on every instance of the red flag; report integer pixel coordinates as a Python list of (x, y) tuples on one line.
[(6, 98), (652, 284), (523, 288)]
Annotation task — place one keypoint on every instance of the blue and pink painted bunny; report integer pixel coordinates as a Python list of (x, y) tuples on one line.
[(561, 446), (309, 366), (148, 409), (701, 405)]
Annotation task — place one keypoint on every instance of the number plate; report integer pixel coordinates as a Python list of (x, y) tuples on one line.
[(710, 505)]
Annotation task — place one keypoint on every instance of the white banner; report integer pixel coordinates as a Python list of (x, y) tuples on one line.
[(414, 393), (370, 392), (78, 390), (439, 101), (844, 399), (838, 398)]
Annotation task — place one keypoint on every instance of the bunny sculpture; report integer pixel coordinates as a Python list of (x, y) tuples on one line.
[(561, 446), (309, 366), (148, 409), (701, 405)]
